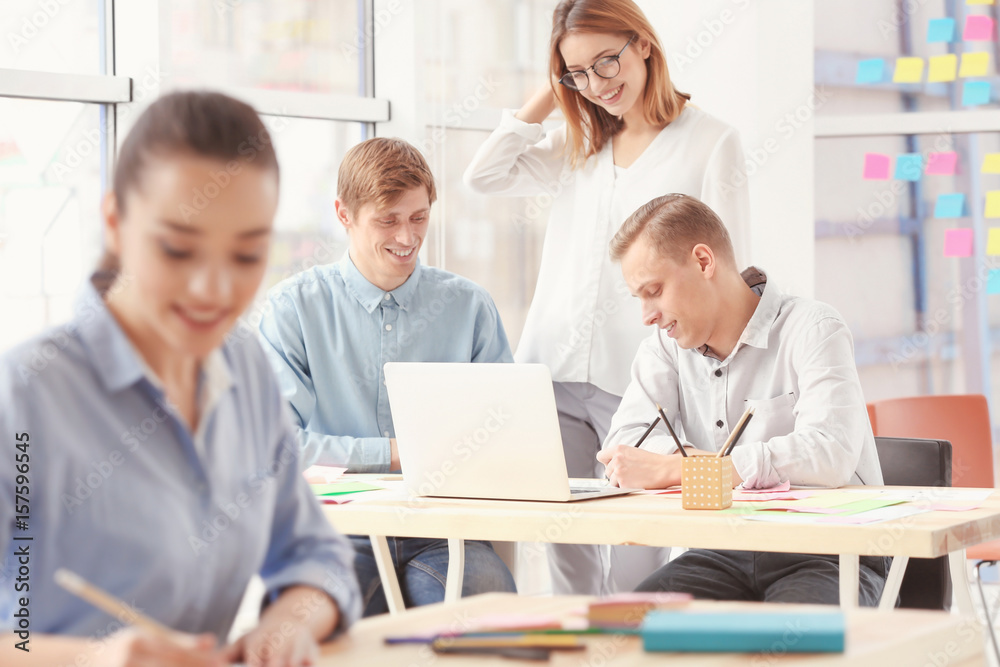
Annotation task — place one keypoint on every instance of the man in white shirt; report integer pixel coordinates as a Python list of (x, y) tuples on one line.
[(726, 341)]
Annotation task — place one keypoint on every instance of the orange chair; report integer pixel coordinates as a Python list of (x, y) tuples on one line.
[(871, 417), (964, 421)]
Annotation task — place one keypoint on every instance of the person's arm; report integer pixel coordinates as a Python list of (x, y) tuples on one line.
[(282, 340), (656, 463), (726, 191), (490, 343), (829, 416), (519, 158), (127, 648), (538, 107)]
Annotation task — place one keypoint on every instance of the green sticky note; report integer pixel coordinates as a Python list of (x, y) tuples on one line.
[(340, 488), (860, 506)]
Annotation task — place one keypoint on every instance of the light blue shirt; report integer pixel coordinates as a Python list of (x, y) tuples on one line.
[(119, 493), (329, 332)]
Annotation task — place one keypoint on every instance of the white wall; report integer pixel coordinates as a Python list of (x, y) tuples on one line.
[(750, 63)]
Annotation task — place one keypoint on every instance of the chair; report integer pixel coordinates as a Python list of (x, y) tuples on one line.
[(913, 462), (963, 420)]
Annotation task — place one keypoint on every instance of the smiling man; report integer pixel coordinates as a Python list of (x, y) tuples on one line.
[(330, 330), (725, 341)]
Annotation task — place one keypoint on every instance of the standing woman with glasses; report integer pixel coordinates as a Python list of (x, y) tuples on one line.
[(628, 136)]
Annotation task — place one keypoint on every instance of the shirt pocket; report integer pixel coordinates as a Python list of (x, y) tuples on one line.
[(773, 417)]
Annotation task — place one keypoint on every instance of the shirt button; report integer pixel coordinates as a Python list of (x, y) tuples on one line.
[(720, 423), (388, 327), (718, 372), (387, 296), (386, 434)]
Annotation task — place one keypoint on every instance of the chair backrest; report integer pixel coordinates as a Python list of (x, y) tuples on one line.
[(963, 420), (916, 462)]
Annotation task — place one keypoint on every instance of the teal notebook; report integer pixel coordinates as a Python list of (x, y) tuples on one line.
[(744, 632)]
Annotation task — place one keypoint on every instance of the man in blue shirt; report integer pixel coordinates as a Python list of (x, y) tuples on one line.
[(330, 330)]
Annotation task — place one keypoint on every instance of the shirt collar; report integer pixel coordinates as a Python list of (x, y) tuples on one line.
[(369, 295), (758, 330), (118, 363)]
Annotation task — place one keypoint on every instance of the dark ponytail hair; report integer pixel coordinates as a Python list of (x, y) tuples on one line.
[(198, 123)]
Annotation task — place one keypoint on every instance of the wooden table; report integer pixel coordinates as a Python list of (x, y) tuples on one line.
[(660, 521), (876, 638)]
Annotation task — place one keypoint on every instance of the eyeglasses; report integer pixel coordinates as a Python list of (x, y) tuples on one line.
[(606, 68)]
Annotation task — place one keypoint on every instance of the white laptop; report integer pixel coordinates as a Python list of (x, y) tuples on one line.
[(481, 431)]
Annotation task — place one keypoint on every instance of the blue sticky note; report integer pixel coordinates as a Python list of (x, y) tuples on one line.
[(950, 206), (940, 30), (993, 282), (909, 167), (871, 71), (975, 93)]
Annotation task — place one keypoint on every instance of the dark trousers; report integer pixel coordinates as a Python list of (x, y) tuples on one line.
[(765, 577)]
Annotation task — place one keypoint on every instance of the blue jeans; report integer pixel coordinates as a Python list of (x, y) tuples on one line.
[(422, 567)]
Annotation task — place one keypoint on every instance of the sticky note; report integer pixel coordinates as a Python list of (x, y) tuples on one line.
[(940, 30), (993, 282), (870, 71), (975, 93), (942, 68), (958, 243), (979, 2), (908, 70), (909, 166), (978, 28), (993, 241), (876, 167), (942, 163), (993, 209), (991, 163), (950, 206), (974, 64)]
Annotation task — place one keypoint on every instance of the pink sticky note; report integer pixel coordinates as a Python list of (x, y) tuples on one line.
[(876, 167), (978, 29), (942, 163), (958, 243)]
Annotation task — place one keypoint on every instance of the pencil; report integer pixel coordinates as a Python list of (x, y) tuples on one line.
[(648, 431), (111, 605), (680, 447), (737, 432)]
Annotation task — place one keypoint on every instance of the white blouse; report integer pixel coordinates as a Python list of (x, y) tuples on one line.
[(583, 323)]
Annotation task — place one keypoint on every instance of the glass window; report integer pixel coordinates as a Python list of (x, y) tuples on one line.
[(298, 45), (499, 67), (307, 231), (859, 44), (50, 229), (51, 36), (494, 241)]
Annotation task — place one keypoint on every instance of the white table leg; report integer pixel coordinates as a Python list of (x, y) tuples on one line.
[(893, 582), (960, 581), (386, 571), (850, 574), (456, 570)]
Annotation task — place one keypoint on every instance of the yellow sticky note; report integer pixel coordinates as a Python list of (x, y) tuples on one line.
[(993, 241), (991, 163), (974, 64), (942, 68), (993, 211), (908, 70), (979, 2)]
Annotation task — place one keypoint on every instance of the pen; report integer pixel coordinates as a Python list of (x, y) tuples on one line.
[(680, 447), (648, 431), (737, 432), (109, 604)]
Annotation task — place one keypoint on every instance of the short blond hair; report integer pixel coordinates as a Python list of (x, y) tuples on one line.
[(674, 224), (378, 171)]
